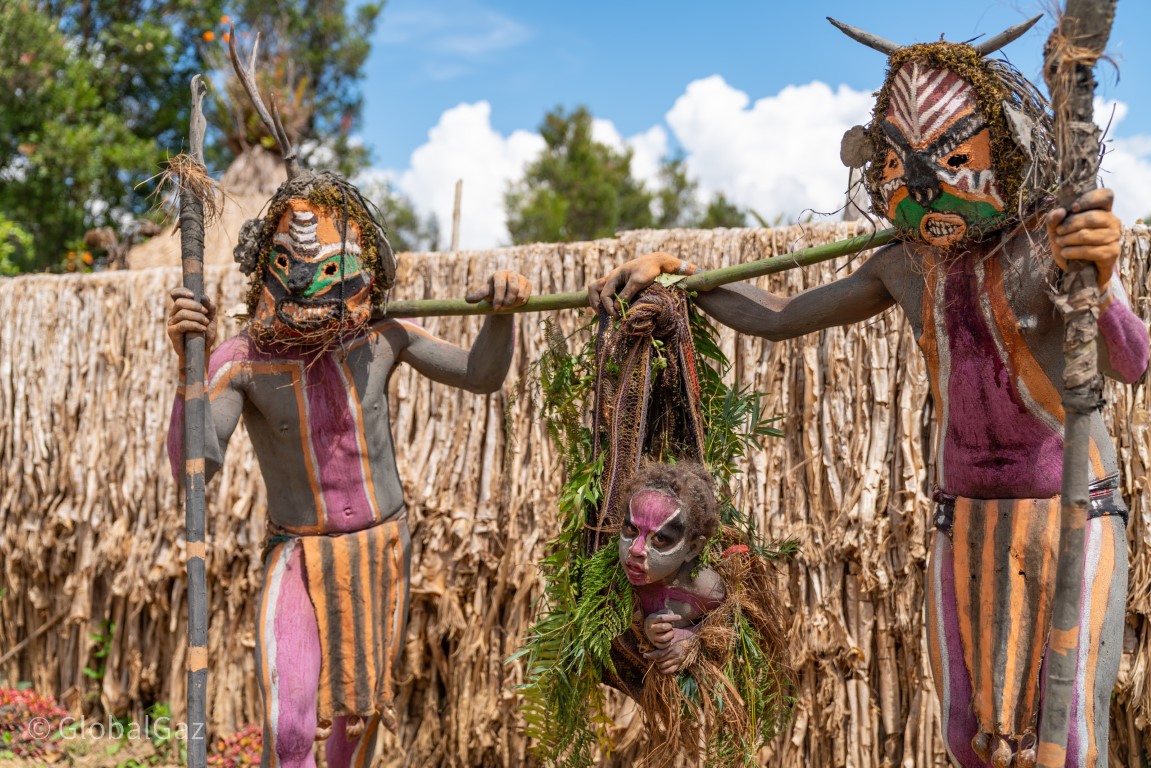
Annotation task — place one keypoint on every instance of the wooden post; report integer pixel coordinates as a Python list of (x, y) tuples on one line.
[(1070, 55), (192, 263), (456, 216)]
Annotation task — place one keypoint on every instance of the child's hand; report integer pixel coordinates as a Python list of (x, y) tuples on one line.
[(660, 629), (670, 660)]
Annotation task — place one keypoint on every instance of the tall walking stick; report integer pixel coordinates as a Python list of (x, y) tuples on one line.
[(192, 262), (1070, 55)]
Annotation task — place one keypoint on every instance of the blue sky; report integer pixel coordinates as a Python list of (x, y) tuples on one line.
[(442, 70)]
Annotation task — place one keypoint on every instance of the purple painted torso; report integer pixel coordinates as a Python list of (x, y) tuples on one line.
[(992, 341), (689, 604), (995, 443)]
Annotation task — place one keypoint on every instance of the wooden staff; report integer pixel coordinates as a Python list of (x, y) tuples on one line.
[(701, 281), (1070, 55), (192, 262)]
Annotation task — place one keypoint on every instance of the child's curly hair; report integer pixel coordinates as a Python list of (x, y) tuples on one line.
[(689, 482)]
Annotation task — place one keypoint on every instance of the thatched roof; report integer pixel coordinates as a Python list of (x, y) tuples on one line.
[(248, 184)]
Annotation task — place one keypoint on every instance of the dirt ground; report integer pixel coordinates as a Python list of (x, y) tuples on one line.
[(102, 753)]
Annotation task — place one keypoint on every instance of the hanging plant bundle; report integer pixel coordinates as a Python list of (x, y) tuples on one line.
[(650, 387)]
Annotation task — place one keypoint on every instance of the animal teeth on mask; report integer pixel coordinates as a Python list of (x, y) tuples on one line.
[(937, 228), (307, 314)]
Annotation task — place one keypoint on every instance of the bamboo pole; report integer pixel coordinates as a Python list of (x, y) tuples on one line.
[(1070, 55), (192, 263), (701, 281)]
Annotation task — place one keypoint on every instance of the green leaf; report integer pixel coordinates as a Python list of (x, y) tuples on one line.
[(587, 602)]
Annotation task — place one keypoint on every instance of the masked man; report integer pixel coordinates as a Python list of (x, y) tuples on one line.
[(309, 375), (957, 156)]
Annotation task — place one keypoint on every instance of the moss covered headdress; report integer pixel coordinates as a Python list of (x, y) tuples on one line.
[(1018, 116), (331, 192), (325, 190)]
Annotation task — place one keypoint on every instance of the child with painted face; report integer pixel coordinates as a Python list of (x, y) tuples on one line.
[(671, 513)]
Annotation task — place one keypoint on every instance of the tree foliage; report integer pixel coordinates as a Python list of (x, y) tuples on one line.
[(97, 98), (407, 230), (582, 189), (676, 197), (84, 117), (721, 212), (311, 54), (578, 189)]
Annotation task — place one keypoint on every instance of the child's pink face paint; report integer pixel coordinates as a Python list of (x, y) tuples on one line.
[(652, 546)]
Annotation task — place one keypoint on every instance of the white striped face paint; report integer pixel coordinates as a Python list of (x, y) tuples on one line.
[(937, 180), (315, 277), (653, 541)]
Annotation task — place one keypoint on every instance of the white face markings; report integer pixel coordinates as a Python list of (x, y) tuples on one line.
[(926, 101), (933, 124), (653, 542), (303, 232), (303, 239)]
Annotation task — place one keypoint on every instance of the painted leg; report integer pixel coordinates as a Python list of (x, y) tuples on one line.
[(952, 681), (396, 624), (288, 656), (345, 751), (1101, 617)]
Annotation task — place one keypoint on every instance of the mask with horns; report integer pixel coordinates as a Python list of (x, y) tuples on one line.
[(319, 258), (958, 144)]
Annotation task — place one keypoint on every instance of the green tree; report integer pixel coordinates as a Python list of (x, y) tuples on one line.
[(407, 231), (312, 54), (578, 189), (676, 198), (581, 189), (97, 97), (721, 212), (79, 123), (14, 243)]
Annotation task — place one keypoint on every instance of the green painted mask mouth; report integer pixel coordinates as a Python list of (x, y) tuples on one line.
[(978, 218)]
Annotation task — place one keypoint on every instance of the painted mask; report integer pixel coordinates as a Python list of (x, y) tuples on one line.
[(653, 542), (937, 182), (315, 284)]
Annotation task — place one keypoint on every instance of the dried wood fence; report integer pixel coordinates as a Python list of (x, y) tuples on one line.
[(91, 525)]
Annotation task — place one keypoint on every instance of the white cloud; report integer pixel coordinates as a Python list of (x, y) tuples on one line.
[(463, 145), (778, 156), (1126, 167)]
